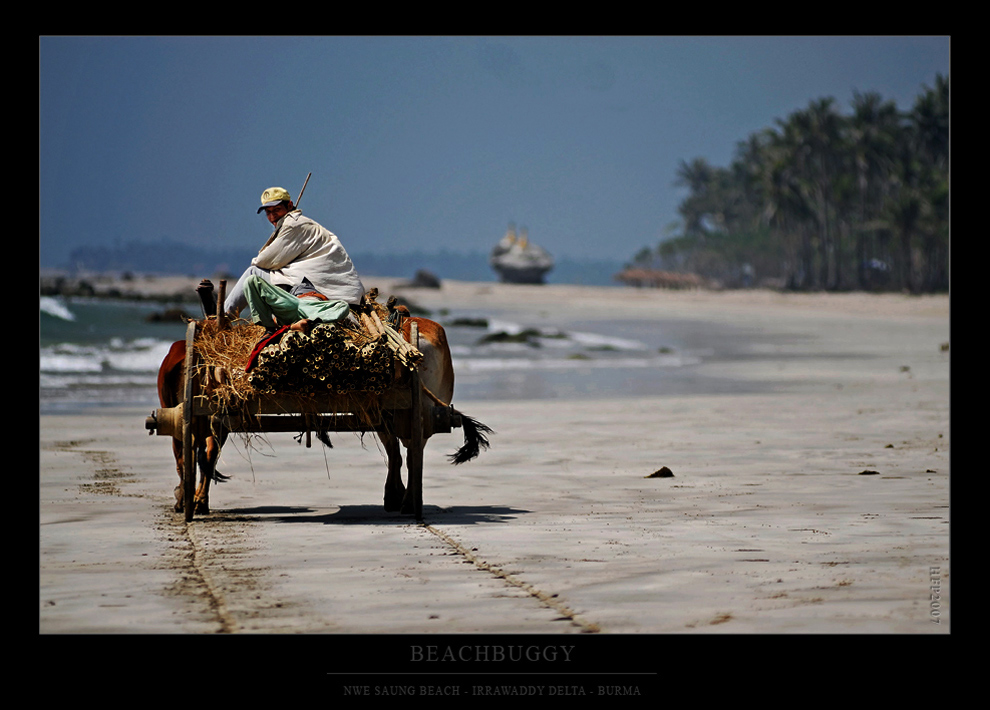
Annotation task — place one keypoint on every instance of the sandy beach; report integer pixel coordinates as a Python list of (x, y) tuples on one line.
[(815, 502)]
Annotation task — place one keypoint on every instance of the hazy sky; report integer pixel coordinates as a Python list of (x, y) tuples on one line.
[(421, 142)]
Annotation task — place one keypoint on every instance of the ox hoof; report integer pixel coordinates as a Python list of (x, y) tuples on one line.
[(202, 507), (394, 500)]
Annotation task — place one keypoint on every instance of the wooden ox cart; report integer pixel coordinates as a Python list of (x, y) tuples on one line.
[(405, 409)]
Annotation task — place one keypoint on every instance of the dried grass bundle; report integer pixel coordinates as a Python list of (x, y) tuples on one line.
[(299, 366), (224, 353)]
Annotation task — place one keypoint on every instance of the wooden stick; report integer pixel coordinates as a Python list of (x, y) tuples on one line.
[(405, 350), (369, 325), (432, 396), (222, 322)]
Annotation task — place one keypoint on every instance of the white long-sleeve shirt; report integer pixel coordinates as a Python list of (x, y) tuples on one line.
[(304, 248)]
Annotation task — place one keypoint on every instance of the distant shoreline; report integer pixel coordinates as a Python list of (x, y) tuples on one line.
[(585, 300)]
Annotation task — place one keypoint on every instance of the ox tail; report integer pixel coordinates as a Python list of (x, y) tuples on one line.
[(475, 439), (208, 469)]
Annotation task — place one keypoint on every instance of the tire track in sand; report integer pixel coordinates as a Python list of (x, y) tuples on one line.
[(207, 557), (545, 598), (185, 552)]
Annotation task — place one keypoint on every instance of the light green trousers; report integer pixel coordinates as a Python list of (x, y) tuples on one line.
[(269, 302)]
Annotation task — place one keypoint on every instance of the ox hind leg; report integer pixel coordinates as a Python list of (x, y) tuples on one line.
[(399, 498), (394, 490), (179, 466), (207, 457), (412, 501), (202, 496)]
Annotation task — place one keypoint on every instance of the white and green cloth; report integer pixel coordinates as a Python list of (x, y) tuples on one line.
[(268, 302)]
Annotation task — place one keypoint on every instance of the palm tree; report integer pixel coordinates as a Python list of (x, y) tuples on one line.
[(700, 179), (920, 211), (873, 131), (930, 124), (800, 204), (930, 117), (764, 164), (821, 131)]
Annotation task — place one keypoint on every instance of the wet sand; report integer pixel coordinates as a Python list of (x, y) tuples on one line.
[(819, 505)]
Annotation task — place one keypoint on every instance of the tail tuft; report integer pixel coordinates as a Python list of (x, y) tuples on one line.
[(475, 439)]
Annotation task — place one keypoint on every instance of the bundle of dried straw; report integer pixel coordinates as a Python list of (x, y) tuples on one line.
[(358, 355)]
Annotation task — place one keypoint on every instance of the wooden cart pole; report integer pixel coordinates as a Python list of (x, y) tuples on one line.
[(414, 461), (188, 455), (222, 322)]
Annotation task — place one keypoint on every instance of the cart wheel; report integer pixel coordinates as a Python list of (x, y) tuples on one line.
[(414, 454), (188, 455)]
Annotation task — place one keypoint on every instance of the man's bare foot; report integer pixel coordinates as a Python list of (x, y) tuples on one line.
[(303, 326)]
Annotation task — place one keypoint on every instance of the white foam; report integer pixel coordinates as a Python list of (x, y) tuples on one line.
[(54, 307), (142, 355), (493, 364)]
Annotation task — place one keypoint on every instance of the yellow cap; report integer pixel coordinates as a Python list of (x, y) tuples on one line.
[(272, 196)]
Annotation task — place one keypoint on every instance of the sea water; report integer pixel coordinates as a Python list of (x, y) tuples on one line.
[(97, 353)]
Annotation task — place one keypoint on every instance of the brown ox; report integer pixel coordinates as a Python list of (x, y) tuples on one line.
[(436, 378), (436, 372), (205, 443)]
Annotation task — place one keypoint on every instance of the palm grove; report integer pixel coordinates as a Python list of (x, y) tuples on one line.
[(824, 201)]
